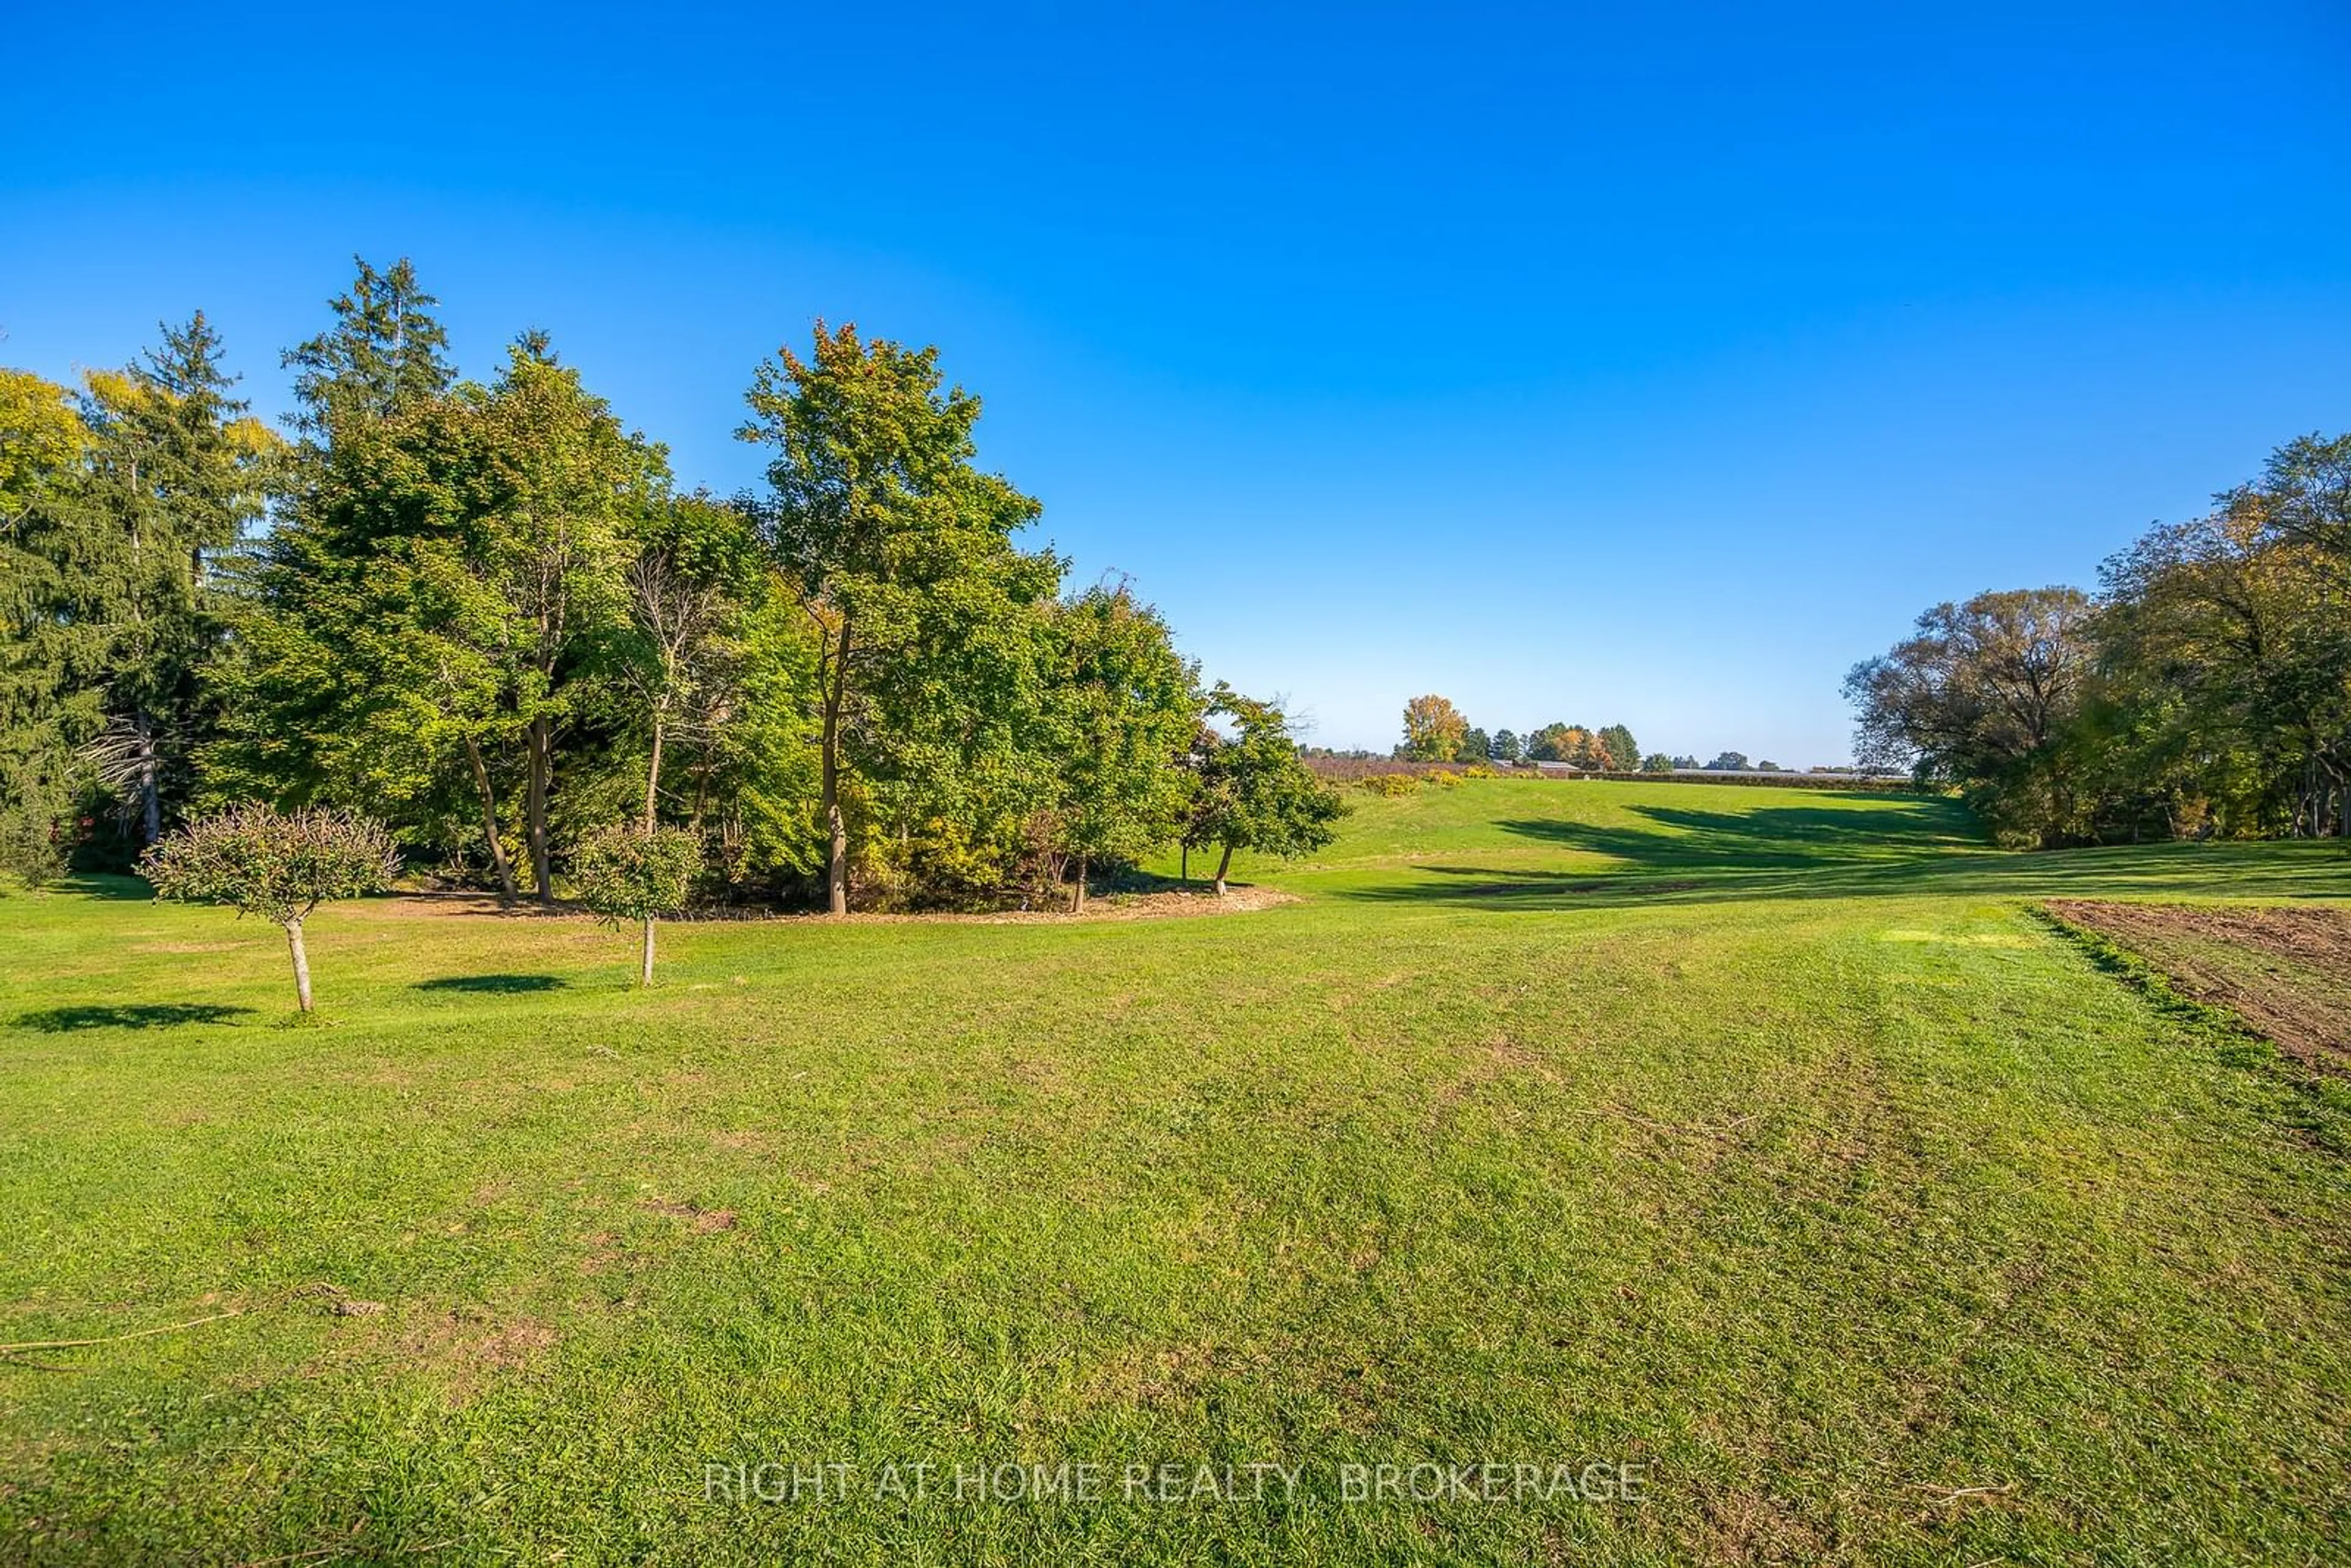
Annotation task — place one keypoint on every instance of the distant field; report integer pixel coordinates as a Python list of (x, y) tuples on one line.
[(1770, 1143)]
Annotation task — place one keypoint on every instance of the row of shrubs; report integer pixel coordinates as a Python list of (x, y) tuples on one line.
[(1394, 784)]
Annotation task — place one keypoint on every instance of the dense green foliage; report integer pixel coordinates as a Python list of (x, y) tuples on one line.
[(1766, 1138), (122, 507), (626, 873), (485, 613), (638, 874), (1250, 790), (278, 865), (2206, 690)]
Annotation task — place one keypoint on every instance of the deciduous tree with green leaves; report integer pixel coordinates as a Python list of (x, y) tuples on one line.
[(902, 552), (625, 872), (43, 718), (495, 522), (1252, 790), (278, 865), (1981, 696), (1122, 707)]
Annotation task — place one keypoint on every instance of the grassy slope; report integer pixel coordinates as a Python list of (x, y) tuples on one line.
[(1763, 1136)]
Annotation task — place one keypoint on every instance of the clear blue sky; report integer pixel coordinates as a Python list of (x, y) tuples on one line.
[(1631, 363)]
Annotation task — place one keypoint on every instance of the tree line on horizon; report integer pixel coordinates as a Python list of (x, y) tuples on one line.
[(485, 614), (2203, 691), (1436, 730)]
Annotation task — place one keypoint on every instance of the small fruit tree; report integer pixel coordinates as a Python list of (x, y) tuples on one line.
[(278, 865), (625, 872)]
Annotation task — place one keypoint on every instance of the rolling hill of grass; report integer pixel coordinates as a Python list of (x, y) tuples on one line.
[(1764, 1147)]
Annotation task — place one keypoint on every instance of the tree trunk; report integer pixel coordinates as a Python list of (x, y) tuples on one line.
[(1224, 865), (301, 963), (499, 862), (837, 862), (1184, 864), (1078, 895), (652, 772), (540, 746), (151, 793), (645, 969), (836, 872)]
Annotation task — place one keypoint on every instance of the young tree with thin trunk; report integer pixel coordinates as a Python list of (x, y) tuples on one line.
[(278, 866), (636, 875), (694, 568)]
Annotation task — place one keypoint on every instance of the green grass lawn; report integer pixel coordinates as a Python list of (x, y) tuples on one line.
[(1767, 1141)]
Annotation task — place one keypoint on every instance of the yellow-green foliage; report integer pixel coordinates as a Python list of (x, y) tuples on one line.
[(1391, 784), (41, 437)]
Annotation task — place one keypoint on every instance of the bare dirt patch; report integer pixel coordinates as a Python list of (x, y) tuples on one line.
[(702, 1221), (2283, 970), (467, 1350)]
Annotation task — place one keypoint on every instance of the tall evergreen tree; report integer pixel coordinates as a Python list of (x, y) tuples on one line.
[(176, 472), (384, 352), (307, 720)]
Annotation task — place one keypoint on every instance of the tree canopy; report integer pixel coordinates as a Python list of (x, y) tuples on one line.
[(482, 613), (2206, 689)]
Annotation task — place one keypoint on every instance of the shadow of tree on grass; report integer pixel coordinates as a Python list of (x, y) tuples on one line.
[(1710, 865), (1779, 837), (128, 1015), (495, 985)]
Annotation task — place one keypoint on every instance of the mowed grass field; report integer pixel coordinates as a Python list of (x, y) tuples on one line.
[(1766, 1142)]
